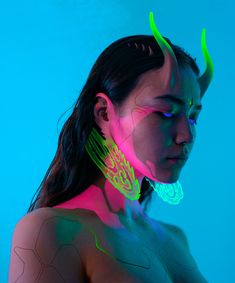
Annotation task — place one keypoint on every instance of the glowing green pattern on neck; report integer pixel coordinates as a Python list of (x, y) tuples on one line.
[(111, 161)]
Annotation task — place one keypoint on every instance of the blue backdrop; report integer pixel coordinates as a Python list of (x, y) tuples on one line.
[(47, 49)]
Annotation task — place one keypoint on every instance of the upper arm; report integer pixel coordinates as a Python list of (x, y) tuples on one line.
[(41, 252)]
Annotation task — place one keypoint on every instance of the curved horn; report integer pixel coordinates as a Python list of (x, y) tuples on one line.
[(206, 77), (170, 67)]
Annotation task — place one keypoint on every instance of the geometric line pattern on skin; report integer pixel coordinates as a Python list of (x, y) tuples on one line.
[(187, 267), (17, 252), (98, 246), (42, 265), (124, 179), (192, 267), (106, 160), (36, 255), (165, 266)]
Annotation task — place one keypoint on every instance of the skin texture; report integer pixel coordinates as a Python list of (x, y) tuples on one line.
[(46, 245), (41, 242), (64, 245), (145, 136), (44, 238)]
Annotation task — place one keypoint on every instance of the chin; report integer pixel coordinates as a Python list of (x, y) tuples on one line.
[(172, 179), (163, 178)]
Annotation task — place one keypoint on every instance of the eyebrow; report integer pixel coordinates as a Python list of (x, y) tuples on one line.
[(176, 100)]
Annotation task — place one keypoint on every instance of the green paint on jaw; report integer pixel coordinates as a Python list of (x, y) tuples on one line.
[(170, 193)]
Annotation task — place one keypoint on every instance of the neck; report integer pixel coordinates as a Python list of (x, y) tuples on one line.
[(105, 198)]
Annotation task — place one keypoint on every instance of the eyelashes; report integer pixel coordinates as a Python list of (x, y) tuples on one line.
[(165, 115)]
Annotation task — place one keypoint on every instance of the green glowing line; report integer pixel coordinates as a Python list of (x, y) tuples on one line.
[(97, 243)]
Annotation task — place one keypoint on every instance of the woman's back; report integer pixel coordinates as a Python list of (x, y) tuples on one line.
[(63, 245)]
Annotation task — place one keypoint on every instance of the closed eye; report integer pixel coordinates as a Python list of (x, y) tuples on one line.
[(168, 115)]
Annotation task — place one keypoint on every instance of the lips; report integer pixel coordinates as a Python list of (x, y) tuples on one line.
[(182, 156), (176, 161)]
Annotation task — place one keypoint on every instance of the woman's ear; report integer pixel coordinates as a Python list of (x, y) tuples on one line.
[(100, 109), (104, 113)]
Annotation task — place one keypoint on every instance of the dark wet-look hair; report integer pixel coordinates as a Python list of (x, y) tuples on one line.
[(115, 73)]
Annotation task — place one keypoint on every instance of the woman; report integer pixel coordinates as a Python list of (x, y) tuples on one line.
[(87, 223)]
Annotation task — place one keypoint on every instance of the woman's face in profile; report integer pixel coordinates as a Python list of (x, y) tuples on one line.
[(149, 129)]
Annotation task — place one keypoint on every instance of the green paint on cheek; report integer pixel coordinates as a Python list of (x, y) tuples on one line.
[(190, 103)]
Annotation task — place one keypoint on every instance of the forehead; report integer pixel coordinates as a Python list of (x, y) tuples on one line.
[(149, 89)]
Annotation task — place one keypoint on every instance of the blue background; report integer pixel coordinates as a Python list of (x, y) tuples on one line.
[(47, 49)]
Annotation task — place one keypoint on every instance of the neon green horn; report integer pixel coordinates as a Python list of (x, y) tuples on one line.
[(206, 77), (170, 67)]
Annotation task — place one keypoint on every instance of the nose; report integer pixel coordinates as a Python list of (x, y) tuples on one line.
[(185, 131)]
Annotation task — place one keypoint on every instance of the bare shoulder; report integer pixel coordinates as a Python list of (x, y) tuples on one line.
[(41, 240), (28, 227), (36, 215), (46, 225), (175, 231)]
